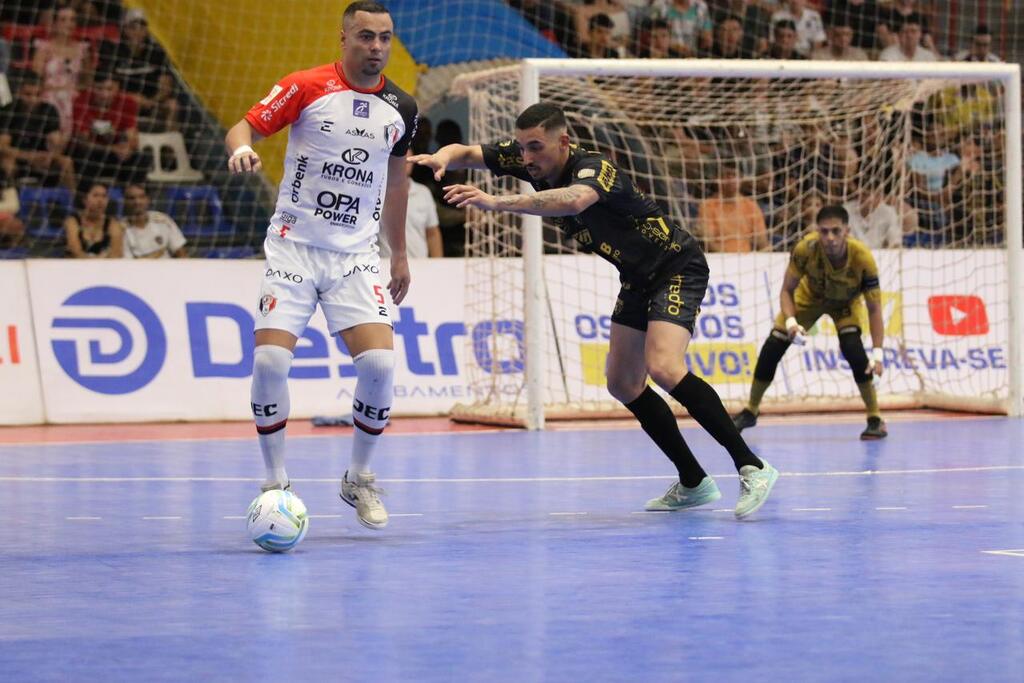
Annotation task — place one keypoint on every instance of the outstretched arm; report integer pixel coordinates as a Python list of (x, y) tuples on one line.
[(560, 201), (451, 157)]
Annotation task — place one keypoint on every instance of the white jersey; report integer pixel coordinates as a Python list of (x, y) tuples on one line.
[(160, 234), (336, 164)]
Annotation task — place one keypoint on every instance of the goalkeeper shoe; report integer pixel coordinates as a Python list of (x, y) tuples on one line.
[(755, 486), (744, 419), (875, 430), (679, 497), (361, 494)]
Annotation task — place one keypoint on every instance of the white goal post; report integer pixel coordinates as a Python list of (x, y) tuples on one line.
[(528, 399)]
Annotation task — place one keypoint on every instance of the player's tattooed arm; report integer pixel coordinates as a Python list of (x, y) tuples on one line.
[(560, 201)]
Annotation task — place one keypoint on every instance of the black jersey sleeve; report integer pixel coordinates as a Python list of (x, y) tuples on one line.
[(406, 106), (505, 158), (598, 173)]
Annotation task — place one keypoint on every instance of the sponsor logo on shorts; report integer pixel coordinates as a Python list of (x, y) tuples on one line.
[(361, 109), (283, 275), (267, 303), (362, 268)]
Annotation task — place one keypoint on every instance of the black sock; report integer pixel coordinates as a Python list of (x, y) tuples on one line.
[(705, 406), (657, 420)]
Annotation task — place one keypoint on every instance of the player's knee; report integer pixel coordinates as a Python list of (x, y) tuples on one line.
[(852, 348), (270, 364), (772, 351), (625, 388), (667, 370), (375, 365)]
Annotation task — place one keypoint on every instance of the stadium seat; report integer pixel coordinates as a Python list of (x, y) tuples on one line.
[(197, 209), (43, 210), (182, 172)]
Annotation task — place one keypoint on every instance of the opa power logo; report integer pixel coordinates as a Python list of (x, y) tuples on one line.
[(110, 342)]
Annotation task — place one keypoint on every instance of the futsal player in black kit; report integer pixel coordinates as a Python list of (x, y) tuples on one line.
[(663, 273)]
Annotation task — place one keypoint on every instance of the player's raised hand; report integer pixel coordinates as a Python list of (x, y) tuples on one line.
[(244, 160), (398, 285), (438, 163), (466, 195)]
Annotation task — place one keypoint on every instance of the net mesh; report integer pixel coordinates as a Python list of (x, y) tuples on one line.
[(744, 164)]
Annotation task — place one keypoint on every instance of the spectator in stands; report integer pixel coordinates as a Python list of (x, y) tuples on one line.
[(729, 42), (149, 234), (5, 56), (908, 45), (899, 13), (784, 40), (90, 232), (106, 143), (730, 221), (659, 42), (599, 39), (143, 70), (63, 63), (754, 24), (619, 32), (32, 145), (932, 167), (11, 227), (840, 46), (690, 25), (810, 31), (981, 47), (872, 220), (862, 16), (422, 234)]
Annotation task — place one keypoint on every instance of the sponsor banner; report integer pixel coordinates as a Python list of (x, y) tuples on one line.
[(172, 340), (21, 400)]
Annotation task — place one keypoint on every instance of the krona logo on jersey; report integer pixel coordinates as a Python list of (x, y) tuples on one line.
[(958, 315)]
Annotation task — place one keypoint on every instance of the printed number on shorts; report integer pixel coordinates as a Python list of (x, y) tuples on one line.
[(381, 310)]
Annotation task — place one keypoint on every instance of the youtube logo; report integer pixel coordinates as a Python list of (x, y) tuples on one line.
[(958, 315)]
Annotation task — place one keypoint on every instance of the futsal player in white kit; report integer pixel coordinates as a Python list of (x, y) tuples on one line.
[(344, 180)]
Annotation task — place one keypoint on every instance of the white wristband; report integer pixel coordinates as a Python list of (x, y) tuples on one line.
[(242, 149), (791, 322), (876, 355)]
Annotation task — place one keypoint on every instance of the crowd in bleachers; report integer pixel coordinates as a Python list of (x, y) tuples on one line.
[(90, 107), (953, 193)]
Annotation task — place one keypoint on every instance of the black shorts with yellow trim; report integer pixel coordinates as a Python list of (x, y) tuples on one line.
[(677, 300)]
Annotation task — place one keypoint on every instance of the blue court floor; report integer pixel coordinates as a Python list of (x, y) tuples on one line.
[(515, 556)]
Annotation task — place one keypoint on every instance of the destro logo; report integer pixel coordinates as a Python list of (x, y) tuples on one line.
[(87, 358)]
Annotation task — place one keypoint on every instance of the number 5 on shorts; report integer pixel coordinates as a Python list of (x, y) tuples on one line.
[(382, 310)]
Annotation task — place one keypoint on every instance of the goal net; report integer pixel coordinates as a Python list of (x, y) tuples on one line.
[(742, 154)]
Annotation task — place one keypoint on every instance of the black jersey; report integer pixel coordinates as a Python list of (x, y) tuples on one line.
[(624, 227)]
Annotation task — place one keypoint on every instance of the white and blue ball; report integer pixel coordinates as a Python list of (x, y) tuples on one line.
[(277, 521)]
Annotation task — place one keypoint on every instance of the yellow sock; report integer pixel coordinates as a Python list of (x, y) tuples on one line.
[(867, 392)]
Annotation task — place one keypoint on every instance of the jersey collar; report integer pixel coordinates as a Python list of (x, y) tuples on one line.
[(341, 74)]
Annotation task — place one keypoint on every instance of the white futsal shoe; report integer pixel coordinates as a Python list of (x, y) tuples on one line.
[(365, 498)]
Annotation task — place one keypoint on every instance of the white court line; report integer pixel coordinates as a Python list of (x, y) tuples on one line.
[(234, 517), (969, 507), (566, 514), (160, 517), (812, 509), (723, 510), (81, 519), (508, 480), (706, 538), (890, 508), (326, 516), (411, 514), (1018, 552)]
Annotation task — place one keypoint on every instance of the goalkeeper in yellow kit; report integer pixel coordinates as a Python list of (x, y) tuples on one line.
[(827, 273)]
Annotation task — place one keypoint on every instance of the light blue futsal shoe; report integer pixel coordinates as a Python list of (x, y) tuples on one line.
[(755, 485), (679, 497)]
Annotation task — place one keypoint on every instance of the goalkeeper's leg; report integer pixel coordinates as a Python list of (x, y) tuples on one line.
[(852, 347), (772, 351)]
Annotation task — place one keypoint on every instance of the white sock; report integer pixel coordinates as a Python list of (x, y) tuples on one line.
[(270, 406), (371, 404)]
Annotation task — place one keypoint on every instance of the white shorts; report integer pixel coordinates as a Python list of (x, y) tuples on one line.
[(297, 276)]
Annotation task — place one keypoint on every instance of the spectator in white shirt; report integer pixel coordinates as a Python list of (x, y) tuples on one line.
[(840, 46), (810, 31), (981, 48), (422, 234), (874, 222), (908, 45), (149, 234)]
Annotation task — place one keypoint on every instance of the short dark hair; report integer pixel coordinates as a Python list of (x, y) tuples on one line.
[(785, 23), (29, 77), (601, 20), (833, 211), (363, 6), (982, 30), (542, 114), (660, 23), (912, 18)]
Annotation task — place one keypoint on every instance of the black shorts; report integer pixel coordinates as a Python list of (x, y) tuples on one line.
[(676, 301)]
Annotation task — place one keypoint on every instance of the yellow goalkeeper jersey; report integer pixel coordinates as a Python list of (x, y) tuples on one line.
[(833, 287)]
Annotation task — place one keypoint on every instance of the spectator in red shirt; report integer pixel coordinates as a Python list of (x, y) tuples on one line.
[(106, 139)]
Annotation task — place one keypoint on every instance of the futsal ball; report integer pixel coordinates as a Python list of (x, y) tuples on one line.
[(277, 521)]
